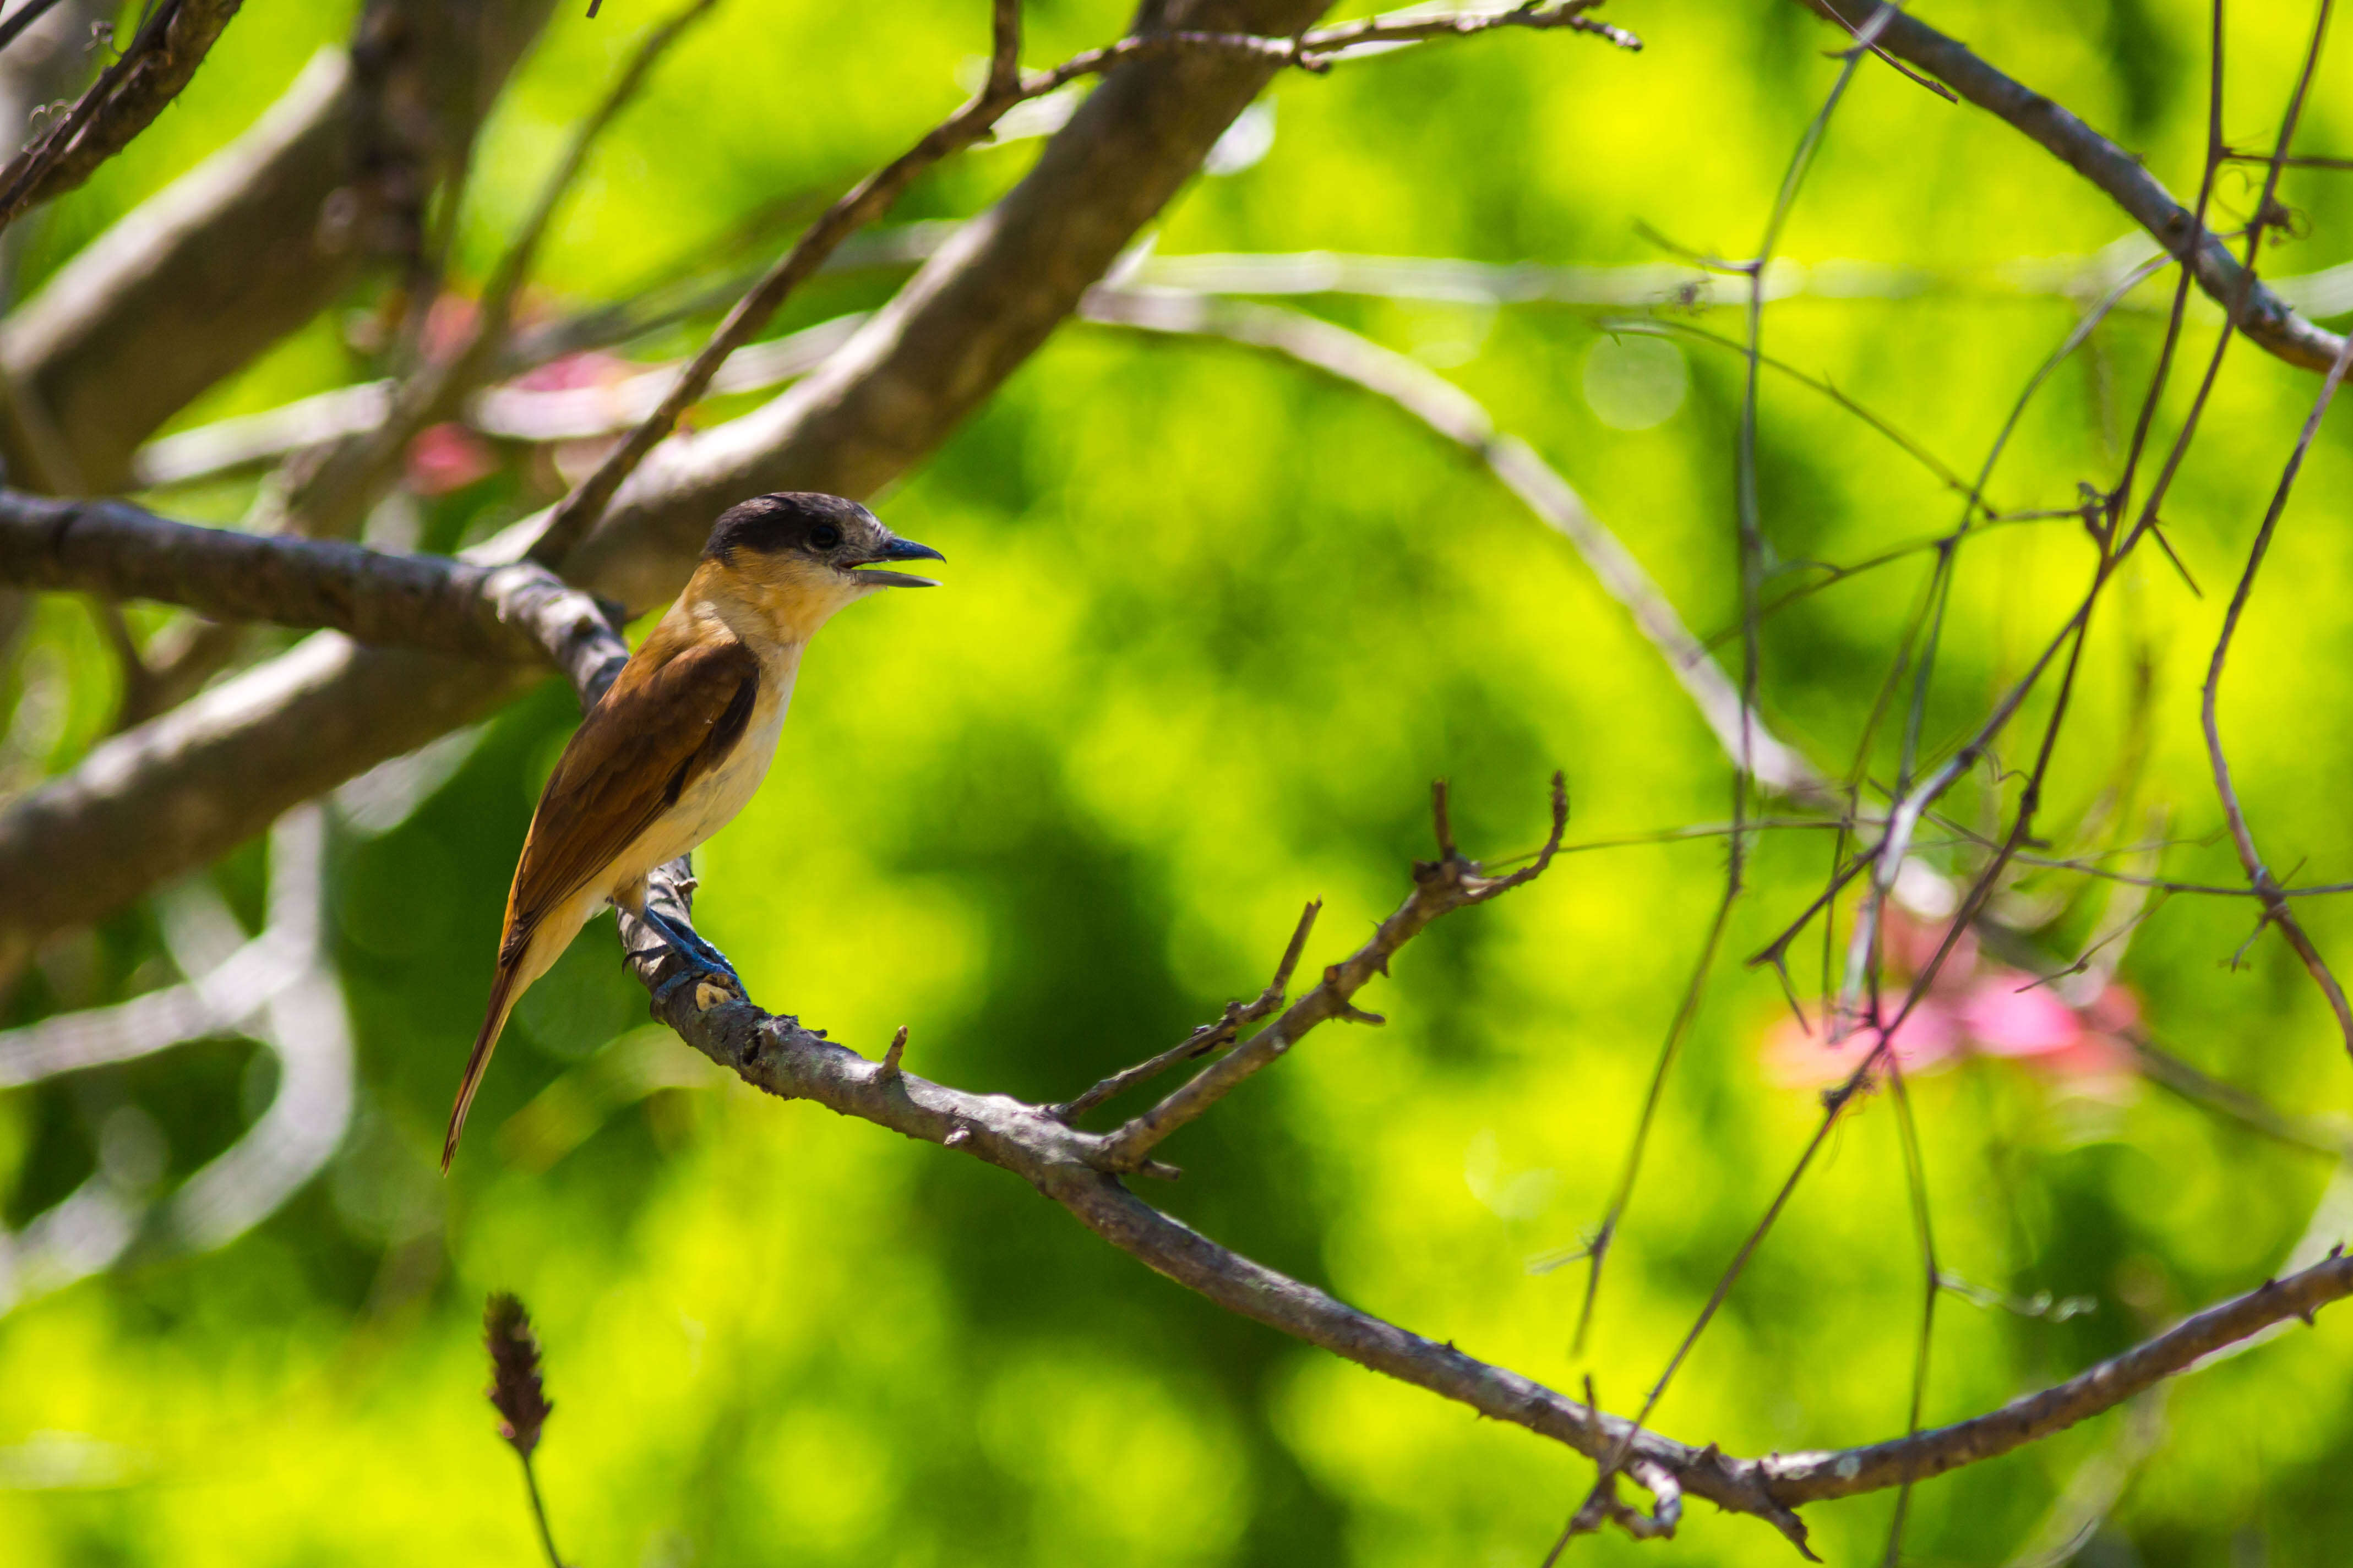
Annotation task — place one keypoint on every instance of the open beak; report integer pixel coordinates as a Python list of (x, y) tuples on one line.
[(897, 550)]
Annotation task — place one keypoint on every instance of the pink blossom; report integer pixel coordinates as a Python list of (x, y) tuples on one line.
[(1794, 1058), (445, 457), (574, 371), (1972, 1006), (2007, 1015)]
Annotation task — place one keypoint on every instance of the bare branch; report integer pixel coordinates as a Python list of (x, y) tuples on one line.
[(2265, 318), (1440, 887), (781, 1056), (508, 613), (125, 99), (1238, 1017)]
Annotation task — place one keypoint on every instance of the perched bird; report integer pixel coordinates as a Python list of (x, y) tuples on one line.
[(683, 738)]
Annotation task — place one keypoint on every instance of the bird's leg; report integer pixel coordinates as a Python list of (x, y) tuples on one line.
[(705, 964), (690, 944)]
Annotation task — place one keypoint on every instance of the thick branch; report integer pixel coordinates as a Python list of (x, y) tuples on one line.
[(194, 282), (504, 613), (2264, 317)]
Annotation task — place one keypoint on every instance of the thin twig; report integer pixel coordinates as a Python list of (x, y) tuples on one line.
[(1238, 1017), (1440, 887), (2259, 874)]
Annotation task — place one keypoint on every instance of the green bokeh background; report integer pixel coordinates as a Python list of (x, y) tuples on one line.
[(1211, 626)]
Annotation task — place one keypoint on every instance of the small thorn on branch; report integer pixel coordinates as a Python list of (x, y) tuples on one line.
[(890, 1057), (1440, 820)]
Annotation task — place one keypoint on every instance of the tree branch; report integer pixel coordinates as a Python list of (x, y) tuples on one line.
[(515, 613), (2264, 317), (194, 282), (123, 101)]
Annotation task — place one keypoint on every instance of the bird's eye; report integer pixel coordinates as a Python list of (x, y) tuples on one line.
[(825, 536)]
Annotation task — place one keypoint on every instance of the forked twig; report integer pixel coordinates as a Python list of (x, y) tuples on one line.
[(2259, 874), (1238, 1017), (1440, 887)]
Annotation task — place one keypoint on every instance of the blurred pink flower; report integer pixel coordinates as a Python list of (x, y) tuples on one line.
[(2005, 1014), (573, 371), (1794, 1058), (1972, 1006), (448, 323), (445, 457)]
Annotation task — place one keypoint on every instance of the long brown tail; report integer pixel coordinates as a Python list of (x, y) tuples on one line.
[(504, 996)]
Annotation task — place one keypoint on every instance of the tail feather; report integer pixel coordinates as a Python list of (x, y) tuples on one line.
[(504, 994)]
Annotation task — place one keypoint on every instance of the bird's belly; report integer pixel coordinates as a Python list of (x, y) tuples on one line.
[(710, 802)]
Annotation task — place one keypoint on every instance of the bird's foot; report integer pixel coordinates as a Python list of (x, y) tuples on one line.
[(706, 968)]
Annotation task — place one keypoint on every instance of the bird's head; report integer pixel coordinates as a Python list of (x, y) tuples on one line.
[(797, 557)]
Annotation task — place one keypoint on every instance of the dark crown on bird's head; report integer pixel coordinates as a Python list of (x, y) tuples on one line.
[(798, 521)]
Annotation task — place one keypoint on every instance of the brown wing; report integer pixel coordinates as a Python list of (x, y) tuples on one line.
[(664, 723), (674, 712)]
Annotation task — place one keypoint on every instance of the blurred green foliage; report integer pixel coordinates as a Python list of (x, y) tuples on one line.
[(1210, 626)]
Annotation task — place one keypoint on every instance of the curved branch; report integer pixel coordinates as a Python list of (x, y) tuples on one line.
[(2264, 317), (1453, 414)]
